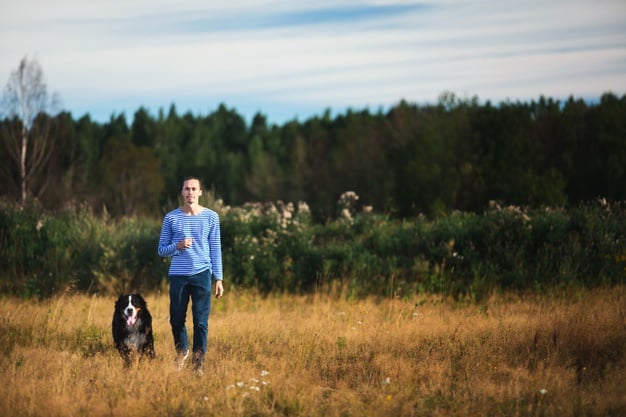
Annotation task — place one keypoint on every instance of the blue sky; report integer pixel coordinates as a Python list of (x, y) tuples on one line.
[(293, 60)]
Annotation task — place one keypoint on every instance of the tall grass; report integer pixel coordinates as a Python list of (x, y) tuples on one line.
[(555, 354)]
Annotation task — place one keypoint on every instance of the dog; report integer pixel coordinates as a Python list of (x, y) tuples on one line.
[(132, 329)]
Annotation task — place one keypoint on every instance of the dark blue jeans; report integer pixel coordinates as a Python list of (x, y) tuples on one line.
[(198, 289)]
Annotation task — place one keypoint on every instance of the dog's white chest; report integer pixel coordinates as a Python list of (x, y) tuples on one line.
[(135, 338)]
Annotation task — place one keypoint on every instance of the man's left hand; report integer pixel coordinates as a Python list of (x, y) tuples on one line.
[(219, 288)]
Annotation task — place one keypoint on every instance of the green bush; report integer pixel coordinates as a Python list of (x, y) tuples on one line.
[(44, 254), (277, 248)]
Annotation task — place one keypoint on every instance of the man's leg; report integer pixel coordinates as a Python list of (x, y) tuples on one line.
[(200, 308), (179, 300)]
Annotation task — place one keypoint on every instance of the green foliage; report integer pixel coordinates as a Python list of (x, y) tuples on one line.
[(413, 159), (130, 178), (270, 247), (276, 248), (44, 254)]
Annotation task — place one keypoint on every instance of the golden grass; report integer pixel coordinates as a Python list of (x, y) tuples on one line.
[(553, 355)]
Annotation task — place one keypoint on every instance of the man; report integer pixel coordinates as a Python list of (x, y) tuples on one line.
[(190, 235)]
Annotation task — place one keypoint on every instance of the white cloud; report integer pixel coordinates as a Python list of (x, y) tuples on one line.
[(266, 54)]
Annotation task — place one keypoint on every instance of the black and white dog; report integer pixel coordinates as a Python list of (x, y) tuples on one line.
[(132, 328)]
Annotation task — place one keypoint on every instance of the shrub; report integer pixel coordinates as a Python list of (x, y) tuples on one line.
[(275, 247)]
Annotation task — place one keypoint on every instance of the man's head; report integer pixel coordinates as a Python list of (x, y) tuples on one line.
[(192, 190)]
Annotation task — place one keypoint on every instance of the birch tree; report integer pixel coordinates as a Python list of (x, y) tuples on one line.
[(26, 106)]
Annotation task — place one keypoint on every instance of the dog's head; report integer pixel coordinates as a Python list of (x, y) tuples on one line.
[(130, 305)]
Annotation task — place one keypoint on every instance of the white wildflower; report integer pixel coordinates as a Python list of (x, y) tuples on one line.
[(303, 208), (345, 214)]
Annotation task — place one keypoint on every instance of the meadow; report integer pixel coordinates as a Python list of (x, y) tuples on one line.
[(552, 354)]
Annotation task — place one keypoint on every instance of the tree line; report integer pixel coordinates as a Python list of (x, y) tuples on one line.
[(412, 159)]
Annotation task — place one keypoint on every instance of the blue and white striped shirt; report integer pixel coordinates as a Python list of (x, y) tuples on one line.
[(205, 252)]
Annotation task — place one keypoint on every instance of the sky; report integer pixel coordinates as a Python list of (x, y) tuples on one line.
[(293, 60)]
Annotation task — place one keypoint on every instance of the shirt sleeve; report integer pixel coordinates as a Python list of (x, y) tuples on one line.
[(166, 247), (215, 245)]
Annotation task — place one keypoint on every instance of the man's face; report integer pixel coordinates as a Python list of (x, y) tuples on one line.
[(191, 191)]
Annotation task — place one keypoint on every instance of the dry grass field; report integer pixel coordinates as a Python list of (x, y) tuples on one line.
[(551, 355)]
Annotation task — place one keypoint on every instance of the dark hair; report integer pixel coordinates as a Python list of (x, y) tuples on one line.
[(191, 177)]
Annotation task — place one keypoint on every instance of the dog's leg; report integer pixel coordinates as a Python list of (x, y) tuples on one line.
[(149, 352), (150, 349), (125, 353)]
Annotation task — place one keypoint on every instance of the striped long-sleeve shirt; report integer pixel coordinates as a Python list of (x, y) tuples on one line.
[(205, 251)]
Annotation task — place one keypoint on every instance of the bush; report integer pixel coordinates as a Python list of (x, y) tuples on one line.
[(44, 254), (277, 248)]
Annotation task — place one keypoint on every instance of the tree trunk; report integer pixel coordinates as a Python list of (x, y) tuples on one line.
[(25, 101), (24, 148)]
